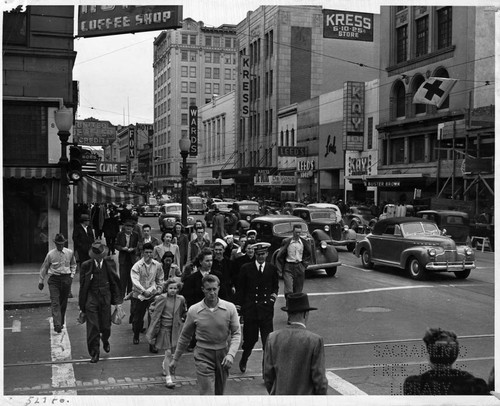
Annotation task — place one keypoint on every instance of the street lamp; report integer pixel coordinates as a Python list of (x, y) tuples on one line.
[(64, 121), (184, 144)]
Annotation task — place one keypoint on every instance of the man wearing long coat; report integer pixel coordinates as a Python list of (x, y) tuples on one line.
[(99, 289)]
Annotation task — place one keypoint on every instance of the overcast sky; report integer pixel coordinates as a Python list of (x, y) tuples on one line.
[(115, 73)]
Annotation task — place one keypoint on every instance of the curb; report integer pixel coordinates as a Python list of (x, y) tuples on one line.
[(24, 305)]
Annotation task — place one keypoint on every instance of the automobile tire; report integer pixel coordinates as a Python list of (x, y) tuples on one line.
[(331, 271), (366, 259), (354, 226), (415, 269), (463, 274), (351, 246)]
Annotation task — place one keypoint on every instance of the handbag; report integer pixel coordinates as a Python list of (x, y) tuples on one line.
[(82, 318), (118, 315)]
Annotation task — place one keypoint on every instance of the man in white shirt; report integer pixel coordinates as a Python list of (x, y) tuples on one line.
[(60, 265)]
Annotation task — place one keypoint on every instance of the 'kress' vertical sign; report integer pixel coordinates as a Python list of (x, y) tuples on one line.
[(193, 130)]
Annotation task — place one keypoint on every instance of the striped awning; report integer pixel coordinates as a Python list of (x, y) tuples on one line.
[(19, 172), (91, 190)]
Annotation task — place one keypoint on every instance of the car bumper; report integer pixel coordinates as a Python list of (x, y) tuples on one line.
[(450, 266), (343, 242), (325, 265)]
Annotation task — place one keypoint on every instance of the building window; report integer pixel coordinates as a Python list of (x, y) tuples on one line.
[(216, 73), (216, 41), (192, 40), (227, 74), (228, 42), (208, 88), (422, 36), (184, 39), (397, 151), (216, 88), (400, 99), (192, 87), (192, 71), (417, 149), (208, 41), (192, 101), (370, 133), (216, 58), (271, 81), (192, 56), (227, 88), (184, 87), (444, 27), (184, 71), (208, 57), (208, 73), (227, 59), (402, 43), (184, 119), (443, 73), (14, 27), (420, 108), (184, 56), (270, 129), (400, 8)]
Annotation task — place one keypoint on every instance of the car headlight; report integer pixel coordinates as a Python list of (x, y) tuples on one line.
[(468, 251), (249, 218), (327, 228), (323, 245), (346, 227), (432, 252)]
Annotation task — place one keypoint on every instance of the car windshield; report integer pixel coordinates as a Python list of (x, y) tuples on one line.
[(287, 228), (172, 209), (327, 214), (362, 210), (223, 207), (249, 207), (417, 228)]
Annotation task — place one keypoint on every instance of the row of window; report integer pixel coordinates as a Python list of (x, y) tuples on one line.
[(210, 57), (210, 40), (415, 39), (255, 48)]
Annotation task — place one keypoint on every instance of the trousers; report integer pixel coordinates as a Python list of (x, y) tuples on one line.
[(210, 374), (293, 277), (59, 289), (98, 311)]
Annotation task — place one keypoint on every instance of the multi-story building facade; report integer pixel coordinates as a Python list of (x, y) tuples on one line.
[(436, 41), (216, 136), (286, 59), (191, 65), (38, 58)]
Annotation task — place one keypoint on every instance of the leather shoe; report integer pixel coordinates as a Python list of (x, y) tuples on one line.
[(143, 330), (106, 346), (136, 340), (153, 349), (95, 358), (57, 329), (243, 365)]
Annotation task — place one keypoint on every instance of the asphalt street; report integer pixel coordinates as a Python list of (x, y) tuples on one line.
[(372, 322)]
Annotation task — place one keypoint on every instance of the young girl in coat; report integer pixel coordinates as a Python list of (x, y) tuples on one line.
[(168, 312)]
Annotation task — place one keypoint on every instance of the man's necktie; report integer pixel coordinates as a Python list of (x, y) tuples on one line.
[(260, 268)]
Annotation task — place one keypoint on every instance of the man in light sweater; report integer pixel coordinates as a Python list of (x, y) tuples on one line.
[(215, 323)]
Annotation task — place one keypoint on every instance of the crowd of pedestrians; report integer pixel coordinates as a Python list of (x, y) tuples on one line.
[(219, 296)]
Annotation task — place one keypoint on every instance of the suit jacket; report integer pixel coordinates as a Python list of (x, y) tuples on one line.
[(256, 291), (121, 242), (282, 253), (87, 270), (300, 374), (218, 225), (82, 241), (156, 310)]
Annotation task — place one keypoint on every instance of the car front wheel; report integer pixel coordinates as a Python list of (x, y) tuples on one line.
[(463, 274), (366, 259), (331, 271), (351, 246), (415, 269)]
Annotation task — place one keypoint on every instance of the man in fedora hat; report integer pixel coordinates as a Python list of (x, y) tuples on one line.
[(83, 237), (302, 373), (99, 289), (60, 265), (218, 225), (127, 242), (256, 293)]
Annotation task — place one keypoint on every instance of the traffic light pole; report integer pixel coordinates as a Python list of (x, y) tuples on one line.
[(63, 193)]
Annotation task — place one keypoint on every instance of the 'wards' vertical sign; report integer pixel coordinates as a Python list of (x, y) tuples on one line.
[(245, 85), (193, 130)]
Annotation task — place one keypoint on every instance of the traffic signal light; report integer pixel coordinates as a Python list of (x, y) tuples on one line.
[(75, 172)]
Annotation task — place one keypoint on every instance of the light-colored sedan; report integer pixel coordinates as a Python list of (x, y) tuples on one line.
[(331, 206)]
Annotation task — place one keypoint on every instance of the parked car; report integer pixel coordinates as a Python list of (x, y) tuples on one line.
[(330, 206), (270, 207), (171, 213), (224, 208), (452, 223), (358, 218), (327, 220), (275, 228), (397, 210), (149, 210), (415, 245), (289, 206), (248, 210), (196, 205)]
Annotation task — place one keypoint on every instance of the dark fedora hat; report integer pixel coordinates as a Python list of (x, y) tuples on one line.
[(297, 302), (84, 217), (97, 250), (60, 239)]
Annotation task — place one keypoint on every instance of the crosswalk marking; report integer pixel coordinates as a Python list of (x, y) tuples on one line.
[(342, 386), (63, 375), (16, 326)]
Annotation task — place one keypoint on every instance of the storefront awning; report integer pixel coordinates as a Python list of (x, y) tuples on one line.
[(92, 190), (19, 172)]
